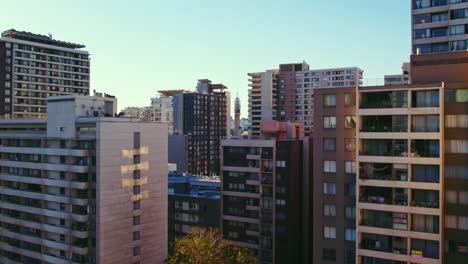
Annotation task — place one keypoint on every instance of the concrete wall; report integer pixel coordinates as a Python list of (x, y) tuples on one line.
[(177, 145), (115, 196)]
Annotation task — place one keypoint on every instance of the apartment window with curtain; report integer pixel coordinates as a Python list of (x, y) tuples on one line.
[(425, 223), (329, 166), (425, 98), (460, 172), (329, 188), (350, 212), (350, 144), (350, 99), (329, 232), (329, 144), (329, 100), (456, 146), (456, 121), (329, 210), (456, 95), (329, 122), (350, 167), (425, 123), (350, 234), (350, 121)]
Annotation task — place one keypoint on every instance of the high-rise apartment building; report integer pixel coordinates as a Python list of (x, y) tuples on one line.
[(401, 177), (82, 186), (334, 176), (33, 67), (164, 108), (287, 94), (439, 26), (262, 99), (263, 193), (203, 117)]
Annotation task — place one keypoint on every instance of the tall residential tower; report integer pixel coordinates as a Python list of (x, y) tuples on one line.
[(33, 67), (82, 187)]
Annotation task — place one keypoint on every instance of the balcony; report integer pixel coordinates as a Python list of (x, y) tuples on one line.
[(381, 195), (382, 100), (425, 173), (425, 123), (425, 223), (383, 243), (425, 148), (383, 171), (267, 180), (381, 219), (425, 248), (426, 98), (386, 123), (425, 198), (45, 151), (253, 180), (384, 147)]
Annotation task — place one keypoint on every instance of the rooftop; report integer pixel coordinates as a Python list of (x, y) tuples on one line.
[(28, 36)]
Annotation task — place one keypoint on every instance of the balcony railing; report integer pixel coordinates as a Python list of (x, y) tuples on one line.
[(383, 171)]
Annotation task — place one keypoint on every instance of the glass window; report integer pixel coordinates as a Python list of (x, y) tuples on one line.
[(425, 98), (422, 33), (456, 121), (421, 4), (329, 100), (136, 251), (329, 210), (350, 121), (460, 172), (329, 254), (456, 96), (329, 144), (439, 32), (451, 197), (136, 235), (329, 188), (329, 166), (350, 212), (422, 18), (439, 17), (463, 198), (456, 146), (329, 232), (350, 144), (457, 30), (350, 99), (459, 13), (350, 189), (451, 221), (425, 123), (350, 234), (350, 167), (440, 47), (459, 45), (329, 122), (136, 205), (463, 222)]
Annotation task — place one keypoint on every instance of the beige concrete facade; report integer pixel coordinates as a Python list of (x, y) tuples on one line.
[(90, 189), (401, 240)]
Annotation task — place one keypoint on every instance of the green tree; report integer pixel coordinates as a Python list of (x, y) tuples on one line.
[(207, 246)]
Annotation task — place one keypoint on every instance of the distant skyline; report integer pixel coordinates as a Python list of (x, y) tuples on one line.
[(140, 47)]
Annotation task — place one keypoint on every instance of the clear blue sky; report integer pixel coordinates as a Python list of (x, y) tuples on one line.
[(142, 46)]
